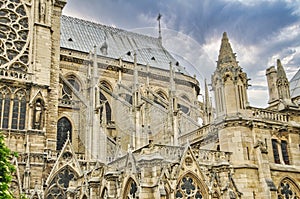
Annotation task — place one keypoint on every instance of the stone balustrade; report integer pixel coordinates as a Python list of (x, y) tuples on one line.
[(13, 74), (269, 115), (211, 157)]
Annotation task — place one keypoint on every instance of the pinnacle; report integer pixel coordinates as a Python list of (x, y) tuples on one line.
[(226, 54), (280, 70)]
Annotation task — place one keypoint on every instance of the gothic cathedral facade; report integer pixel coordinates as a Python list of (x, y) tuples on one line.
[(99, 112)]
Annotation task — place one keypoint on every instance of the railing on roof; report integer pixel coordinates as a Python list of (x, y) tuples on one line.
[(211, 156), (269, 115)]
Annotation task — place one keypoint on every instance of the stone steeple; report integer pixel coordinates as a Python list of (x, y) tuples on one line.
[(226, 55), (229, 82)]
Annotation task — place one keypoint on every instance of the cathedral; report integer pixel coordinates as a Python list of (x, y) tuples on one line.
[(98, 112)]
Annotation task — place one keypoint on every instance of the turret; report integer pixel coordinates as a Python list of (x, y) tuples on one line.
[(279, 88), (229, 82), (271, 74)]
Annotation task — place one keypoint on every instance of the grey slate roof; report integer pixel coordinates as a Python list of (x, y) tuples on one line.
[(81, 35), (295, 85)]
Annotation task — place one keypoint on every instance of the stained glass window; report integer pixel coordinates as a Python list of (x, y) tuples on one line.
[(19, 111), (63, 127), (60, 184), (288, 190), (188, 188)]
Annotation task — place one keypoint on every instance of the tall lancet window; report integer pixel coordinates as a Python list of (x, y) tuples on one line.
[(64, 127), (5, 96), (19, 110)]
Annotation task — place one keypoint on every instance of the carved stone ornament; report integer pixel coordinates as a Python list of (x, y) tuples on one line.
[(14, 39)]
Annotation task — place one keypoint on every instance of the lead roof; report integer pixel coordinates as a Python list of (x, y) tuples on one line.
[(81, 35)]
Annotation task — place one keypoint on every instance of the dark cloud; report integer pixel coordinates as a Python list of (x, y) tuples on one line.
[(261, 31)]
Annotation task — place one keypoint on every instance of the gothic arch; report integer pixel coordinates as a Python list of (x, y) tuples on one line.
[(190, 186), (74, 80), (130, 189), (106, 84), (288, 189), (105, 103), (19, 109), (162, 94), (64, 129), (60, 183), (5, 103)]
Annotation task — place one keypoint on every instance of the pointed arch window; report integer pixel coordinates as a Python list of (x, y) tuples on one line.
[(5, 96), (64, 127), (161, 99), (131, 190), (19, 110), (105, 109), (60, 183), (288, 190), (188, 188)]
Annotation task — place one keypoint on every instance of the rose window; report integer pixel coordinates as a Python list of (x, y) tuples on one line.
[(14, 30), (188, 189)]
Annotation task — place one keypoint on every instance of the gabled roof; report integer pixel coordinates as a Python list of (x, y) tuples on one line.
[(81, 35), (295, 85)]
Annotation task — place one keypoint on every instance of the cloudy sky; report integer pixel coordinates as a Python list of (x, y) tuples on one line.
[(260, 32)]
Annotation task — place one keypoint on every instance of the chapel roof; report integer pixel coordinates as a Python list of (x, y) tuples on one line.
[(82, 35), (295, 85)]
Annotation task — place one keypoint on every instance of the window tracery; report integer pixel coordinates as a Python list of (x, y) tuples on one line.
[(288, 190), (60, 183), (19, 110), (188, 188), (14, 30)]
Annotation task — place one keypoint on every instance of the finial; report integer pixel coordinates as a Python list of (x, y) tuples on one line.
[(224, 34)]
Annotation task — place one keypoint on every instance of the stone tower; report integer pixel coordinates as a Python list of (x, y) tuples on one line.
[(229, 83)]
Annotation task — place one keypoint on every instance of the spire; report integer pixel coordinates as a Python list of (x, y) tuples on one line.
[(226, 54), (280, 70), (159, 29)]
